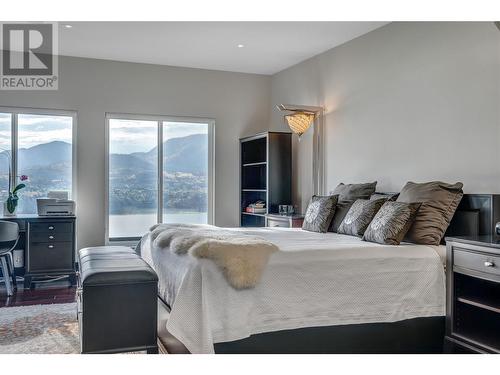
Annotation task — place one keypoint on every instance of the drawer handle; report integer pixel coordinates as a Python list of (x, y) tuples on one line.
[(489, 264), (51, 246), (51, 227), (51, 237)]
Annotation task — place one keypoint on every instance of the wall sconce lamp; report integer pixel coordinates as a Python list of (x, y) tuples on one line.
[(300, 118)]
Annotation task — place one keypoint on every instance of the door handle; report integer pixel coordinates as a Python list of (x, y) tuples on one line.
[(50, 246), (51, 237)]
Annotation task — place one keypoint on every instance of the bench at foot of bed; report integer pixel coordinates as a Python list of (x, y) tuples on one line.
[(117, 301)]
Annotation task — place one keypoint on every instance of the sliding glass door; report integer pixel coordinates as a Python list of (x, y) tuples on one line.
[(45, 155), (185, 172), (132, 177), (37, 143), (159, 171)]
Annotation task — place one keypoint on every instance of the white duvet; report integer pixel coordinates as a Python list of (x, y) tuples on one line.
[(317, 279)]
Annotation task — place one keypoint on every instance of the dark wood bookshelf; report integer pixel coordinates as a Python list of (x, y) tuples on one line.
[(265, 174)]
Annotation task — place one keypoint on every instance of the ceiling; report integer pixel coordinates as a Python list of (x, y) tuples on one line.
[(268, 47)]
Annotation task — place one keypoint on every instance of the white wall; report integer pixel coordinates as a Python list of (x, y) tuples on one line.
[(408, 101), (239, 103)]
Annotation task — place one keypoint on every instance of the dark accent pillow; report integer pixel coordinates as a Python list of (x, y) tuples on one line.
[(439, 203), (351, 192), (340, 211), (391, 223), (319, 213), (387, 196), (359, 216)]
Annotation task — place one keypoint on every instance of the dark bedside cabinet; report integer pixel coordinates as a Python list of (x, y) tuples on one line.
[(284, 221), (472, 294)]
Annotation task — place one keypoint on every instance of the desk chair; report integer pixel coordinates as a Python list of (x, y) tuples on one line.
[(9, 236)]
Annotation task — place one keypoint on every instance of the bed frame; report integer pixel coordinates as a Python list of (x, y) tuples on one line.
[(476, 215)]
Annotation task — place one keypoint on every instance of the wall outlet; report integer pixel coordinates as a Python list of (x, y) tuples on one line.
[(18, 258)]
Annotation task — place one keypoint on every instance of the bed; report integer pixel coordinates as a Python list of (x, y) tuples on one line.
[(322, 293)]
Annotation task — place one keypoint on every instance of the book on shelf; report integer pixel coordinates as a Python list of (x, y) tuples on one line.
[(256, 210)]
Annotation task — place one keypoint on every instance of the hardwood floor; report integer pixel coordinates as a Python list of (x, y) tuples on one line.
[(43, 294)]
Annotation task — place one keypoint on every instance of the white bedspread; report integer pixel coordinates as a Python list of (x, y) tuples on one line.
[(315, 280)]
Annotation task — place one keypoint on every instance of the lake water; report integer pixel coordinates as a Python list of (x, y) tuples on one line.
[(137, 225)]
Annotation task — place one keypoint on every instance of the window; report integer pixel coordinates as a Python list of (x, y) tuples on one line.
[(39, 144), (159, 171)]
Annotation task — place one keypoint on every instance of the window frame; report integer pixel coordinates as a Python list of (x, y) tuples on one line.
[(159, 119), (14, 137)]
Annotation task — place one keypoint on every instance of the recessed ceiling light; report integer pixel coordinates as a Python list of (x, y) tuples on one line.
[(68, 26), (241, 45)]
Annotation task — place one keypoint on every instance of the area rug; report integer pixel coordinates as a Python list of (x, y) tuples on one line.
[(39, 329)]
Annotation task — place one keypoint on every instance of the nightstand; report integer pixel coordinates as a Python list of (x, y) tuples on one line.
[(284, 221), (472, 294)]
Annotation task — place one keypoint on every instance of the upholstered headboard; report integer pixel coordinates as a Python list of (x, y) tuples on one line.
[(477, 214)]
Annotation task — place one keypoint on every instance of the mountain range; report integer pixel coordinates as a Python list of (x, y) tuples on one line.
[(184, 154)]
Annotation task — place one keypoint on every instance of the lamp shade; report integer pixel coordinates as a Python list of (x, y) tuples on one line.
[(299, 122)]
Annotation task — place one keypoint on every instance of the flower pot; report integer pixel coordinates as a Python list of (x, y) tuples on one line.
[(6, 211)]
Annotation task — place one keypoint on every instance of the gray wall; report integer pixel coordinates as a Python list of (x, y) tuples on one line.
[(408, 101), (239, 103)]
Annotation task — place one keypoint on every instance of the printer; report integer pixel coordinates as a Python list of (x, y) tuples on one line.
[(57, 204)]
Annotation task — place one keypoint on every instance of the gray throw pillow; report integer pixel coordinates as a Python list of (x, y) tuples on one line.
[(439, 203), (340, 211), (319, 213), (359, 216), (391, 223), (351, 192)]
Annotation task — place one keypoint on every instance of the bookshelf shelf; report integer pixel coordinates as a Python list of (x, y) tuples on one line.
[(252, 214)]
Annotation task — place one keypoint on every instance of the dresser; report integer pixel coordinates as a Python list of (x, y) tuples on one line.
[(473, 294), (48, 246)]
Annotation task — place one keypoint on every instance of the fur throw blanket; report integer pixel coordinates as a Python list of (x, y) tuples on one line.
[(241, 258)]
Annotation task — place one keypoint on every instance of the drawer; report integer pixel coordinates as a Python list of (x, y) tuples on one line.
[(52, 227), (476, 261), (51, 257), (272, 222), (51, 237)]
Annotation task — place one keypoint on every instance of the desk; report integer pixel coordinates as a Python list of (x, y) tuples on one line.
[(49, 246)]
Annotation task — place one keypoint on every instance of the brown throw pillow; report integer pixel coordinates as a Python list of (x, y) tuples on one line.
[(341, 210), (351, 192), (391, 223), (359, 216), (439, 203), (319, 213), (389, 197)]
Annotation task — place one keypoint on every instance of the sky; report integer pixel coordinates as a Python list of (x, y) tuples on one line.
[(128, 136), (36, 129), (4, 131)]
